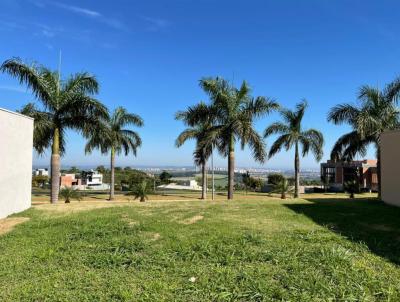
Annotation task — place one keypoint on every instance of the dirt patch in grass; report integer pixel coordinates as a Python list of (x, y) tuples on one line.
[(192, 220), (156, 236), (129, 221), (7, 224)]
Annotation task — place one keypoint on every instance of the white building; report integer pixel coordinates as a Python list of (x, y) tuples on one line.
[(40, 172), (91, 180), (185, 185), (94, 178), (16, 140)]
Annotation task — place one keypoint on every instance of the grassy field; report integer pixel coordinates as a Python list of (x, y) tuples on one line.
[(321, 248)]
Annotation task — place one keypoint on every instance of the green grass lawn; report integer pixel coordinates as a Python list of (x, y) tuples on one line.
[(244, 250)]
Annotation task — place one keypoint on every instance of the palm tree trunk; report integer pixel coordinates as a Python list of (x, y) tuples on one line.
[(55, 166), (112, 185), (378, 170), (296, 172), (231, 168), (204, 181)]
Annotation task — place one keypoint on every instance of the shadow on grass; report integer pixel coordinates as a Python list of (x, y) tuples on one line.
[(362, 220)]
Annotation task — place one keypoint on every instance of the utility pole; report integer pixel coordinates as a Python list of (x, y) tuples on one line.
[(212, 174), (59, 69)]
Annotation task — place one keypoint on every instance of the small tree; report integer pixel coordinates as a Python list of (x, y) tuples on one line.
[(256, 183), (68, 193), (165, 177), (40, 181), (246, 180), (73, 169), (140, 191), (275, 178), (101, 169), (283, 187), (352, 187)]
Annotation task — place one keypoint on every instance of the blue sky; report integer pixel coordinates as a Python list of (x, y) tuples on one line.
[(149, 56)]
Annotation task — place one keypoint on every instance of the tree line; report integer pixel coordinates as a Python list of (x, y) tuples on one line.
[(226, 120), (229, 119), (70, 104)]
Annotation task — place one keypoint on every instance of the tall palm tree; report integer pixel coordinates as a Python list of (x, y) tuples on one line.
[(204, 145), (375, 112), (292, 135), (111, 137), (233, 111), (67, 104)]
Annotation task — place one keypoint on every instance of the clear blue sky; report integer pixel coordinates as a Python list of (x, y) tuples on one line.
[(149, 55)]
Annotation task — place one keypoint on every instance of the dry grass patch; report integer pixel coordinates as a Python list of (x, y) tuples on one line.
[(75, 207), (192, 220), (7, 224)]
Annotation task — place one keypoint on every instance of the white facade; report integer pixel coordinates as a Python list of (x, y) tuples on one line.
[(95, 180), (16, 139), (41, 172), (390, 167), (186, 185)]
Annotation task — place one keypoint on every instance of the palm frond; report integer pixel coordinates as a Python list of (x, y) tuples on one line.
[(392, 91), (43, 127), (276, 128), (31, 75), (256, 144), (185, 135), (348, 146), (260, 106), (282, 141), (312, 140), (343, 113), (81, 83)]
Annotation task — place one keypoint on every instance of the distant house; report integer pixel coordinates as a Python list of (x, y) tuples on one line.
[(182, 185), (84, 181), (69, 180), (40, 172), (16, 140), (336, 173)]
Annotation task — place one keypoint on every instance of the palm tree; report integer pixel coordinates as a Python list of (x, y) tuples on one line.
[(204, 145), (66, 104), (375, 112), (111, 137), (69, 193), (140, 191), (293, 135), (232, 111), (283, 187)]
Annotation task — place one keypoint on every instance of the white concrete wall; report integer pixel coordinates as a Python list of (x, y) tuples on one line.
[(16, 139), (390, 163)]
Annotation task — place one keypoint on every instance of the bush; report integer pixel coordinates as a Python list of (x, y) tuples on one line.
[(275, 178)]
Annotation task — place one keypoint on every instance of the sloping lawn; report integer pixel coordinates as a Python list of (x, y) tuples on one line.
[(245, 250)]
